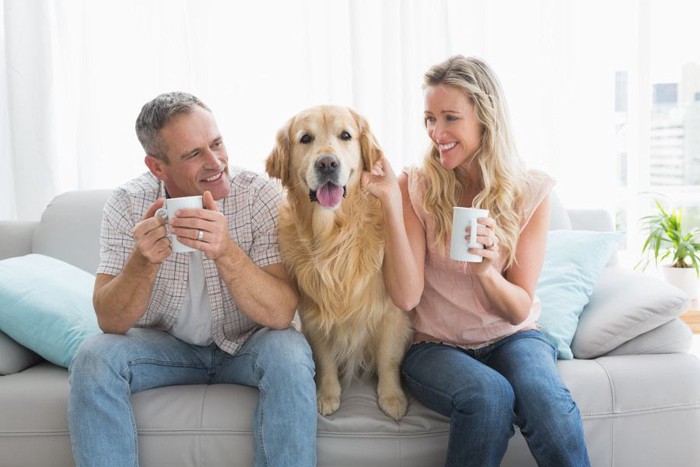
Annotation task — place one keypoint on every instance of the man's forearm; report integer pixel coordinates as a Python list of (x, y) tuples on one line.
[(120, 301), (265, 296)]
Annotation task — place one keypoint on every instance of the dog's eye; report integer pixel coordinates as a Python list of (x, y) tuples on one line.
[(306, 138), (345, 136)]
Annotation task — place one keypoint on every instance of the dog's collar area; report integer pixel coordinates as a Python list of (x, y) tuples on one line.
[(314, 198)]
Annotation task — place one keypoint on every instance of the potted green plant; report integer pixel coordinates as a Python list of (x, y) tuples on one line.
[(667, 242)]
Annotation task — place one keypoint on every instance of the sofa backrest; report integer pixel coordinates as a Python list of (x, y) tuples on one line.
[(561, 218), (598, 220), (70, 226), (591, 219), (69, 229)]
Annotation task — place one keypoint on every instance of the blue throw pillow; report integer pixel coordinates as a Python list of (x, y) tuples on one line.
[(46, 305), (573, 261)]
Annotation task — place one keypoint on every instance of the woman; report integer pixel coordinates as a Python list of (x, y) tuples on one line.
[(478, 356)]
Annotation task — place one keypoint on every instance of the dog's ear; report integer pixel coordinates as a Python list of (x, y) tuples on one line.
[(277, 163), (371, 152)]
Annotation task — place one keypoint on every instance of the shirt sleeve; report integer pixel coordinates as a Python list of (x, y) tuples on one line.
[(116, 237), (537, 188), (266, 201), (416, 193)]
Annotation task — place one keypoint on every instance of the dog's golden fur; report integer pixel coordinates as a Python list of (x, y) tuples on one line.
[(335, 253)]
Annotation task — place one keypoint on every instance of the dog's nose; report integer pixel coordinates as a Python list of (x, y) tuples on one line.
[(327, 164)]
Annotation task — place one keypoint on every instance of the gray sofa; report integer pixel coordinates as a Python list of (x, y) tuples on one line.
[(640, 401)]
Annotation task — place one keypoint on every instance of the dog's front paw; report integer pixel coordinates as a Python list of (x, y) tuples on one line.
[(328, 402), (393, 403)]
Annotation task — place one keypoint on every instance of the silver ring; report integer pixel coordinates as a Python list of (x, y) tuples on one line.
[(200, 235)]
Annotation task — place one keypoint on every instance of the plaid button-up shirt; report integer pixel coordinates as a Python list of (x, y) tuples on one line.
[(251, 209)]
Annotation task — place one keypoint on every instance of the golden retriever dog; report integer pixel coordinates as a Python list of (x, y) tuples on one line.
[(331, 236)]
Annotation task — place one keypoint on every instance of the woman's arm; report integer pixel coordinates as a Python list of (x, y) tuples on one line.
[(404, 254), (512, 294)]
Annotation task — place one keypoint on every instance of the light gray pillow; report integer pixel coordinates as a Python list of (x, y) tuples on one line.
[(625, 304), (14, 357), (672, 337)]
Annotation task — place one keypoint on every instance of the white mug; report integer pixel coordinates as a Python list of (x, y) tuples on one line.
[(461, 218), (168, 211)]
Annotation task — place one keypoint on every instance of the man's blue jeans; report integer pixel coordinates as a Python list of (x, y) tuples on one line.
[(486, 391), (108, 368)]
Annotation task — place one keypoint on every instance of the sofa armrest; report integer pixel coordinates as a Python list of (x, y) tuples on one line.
[(16, 238), (624, 305)]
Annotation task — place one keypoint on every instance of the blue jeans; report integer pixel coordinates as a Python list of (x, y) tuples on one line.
[(108, 368), (486, 391)]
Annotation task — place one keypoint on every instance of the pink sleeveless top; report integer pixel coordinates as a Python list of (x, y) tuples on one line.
[(454, 309)]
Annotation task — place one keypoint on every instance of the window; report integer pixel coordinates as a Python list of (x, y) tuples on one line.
[(603, 95), (657, 117)]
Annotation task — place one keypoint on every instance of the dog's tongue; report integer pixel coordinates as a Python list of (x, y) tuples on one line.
[(329, 195)]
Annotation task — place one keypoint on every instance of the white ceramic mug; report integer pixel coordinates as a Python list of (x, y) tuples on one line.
[(168, 211), (461, 218)]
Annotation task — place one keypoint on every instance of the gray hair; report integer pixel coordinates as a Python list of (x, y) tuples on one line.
[(156, 113)]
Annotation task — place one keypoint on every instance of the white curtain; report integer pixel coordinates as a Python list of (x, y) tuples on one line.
[(74, 74)]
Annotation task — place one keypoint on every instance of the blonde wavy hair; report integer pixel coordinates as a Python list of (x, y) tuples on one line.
[(502, 171)]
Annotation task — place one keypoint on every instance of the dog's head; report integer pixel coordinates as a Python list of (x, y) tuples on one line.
[(321, 153)]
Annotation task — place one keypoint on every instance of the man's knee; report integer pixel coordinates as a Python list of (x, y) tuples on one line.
[(96, 354), (286, 351)]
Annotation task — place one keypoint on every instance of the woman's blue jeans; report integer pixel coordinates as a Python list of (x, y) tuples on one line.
[(488, 390), (108, 368)]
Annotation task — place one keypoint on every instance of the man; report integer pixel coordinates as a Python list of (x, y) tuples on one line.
[(221, 314)]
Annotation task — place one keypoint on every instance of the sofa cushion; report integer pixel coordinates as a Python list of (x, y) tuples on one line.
[(46, 305), (655, 398), (624, 305), (14, 357), (573, 261)]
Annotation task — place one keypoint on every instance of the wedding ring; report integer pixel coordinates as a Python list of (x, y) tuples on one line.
[(200, 235)]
